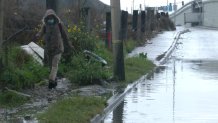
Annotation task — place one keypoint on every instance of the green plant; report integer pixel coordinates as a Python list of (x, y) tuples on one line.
[(9, 99), (73, 110), (140, 66), (81, 40), (143, 55), (103, 52), (77, 67), (129, 45), (22, 70), (82, 71)]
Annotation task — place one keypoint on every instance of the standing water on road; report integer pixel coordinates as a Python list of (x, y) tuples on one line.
[(185, 92)]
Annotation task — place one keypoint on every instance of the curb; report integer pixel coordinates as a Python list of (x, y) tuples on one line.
[(207, 27), (115, 100), (172, 47)]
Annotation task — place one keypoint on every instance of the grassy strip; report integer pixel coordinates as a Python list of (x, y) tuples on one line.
[(136, 67), (129, 45), (73, 110), (10, 100)]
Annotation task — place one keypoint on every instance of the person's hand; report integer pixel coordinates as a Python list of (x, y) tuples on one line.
[(37, 36)]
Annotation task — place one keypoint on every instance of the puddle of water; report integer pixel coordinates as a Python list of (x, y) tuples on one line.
[(26, 119), (186, 92)]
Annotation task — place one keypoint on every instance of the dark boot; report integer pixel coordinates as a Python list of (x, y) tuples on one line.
[(52, 84)]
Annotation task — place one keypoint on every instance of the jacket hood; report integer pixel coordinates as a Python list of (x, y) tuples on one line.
[(48, 13)]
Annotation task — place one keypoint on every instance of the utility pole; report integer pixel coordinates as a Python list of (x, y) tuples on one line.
[(144, 5), (133, 4), (174, 12), (1, 21), (119, 72)]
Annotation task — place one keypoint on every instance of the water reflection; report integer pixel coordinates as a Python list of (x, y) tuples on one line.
[(178, 94), (174, 88), (185, 92), (118, 113)]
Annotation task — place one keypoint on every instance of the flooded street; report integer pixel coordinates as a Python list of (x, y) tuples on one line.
[(185, 92)]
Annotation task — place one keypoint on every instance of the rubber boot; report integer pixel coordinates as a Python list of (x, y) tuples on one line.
[(52, 84)]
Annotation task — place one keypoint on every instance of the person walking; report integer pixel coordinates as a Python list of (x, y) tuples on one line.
[(55, 39)]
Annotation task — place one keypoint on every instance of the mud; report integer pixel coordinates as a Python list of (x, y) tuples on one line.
[(42, 97)]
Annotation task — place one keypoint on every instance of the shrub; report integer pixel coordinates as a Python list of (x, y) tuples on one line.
[(21, 71), (81, 71), (80, 39), (76, 66), (103, 52)]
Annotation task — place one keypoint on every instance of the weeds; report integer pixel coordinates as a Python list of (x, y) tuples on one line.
[(136, 67), (82, 71), (129, 45), (22, 70), (73, 110), (9, 99)]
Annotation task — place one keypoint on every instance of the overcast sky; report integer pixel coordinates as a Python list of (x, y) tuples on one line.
[(127, 4)]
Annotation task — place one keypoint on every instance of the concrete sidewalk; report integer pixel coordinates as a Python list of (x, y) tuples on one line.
[(158, 45)]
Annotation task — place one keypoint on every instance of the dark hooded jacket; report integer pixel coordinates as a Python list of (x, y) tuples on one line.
[(52, 34)]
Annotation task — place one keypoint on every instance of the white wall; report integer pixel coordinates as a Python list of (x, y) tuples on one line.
[(180, 14), (210, 13)]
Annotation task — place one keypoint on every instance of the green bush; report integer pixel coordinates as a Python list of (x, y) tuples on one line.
[(77, 67), (81, 40), (103, 52), (21, 71), (81, 71)]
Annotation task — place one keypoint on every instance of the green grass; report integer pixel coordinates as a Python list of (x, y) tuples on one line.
[(79, 71), (10, 100), (129, 45), (82, 72), (135, 67), (73, 110), (20, 71), (82, 109)]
